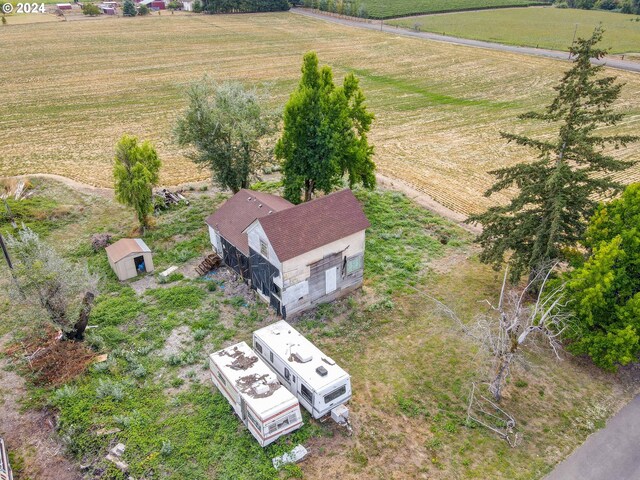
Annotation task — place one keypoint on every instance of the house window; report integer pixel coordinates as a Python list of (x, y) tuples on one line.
[(276, 290), (306, 393), (258, 347), (354, 264), (338, 392), (264, 249)]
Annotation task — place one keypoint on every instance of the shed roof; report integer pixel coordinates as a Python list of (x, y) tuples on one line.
[(241, 210), (311, 225), (125, 247)]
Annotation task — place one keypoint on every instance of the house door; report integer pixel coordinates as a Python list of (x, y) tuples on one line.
[(330, 279)]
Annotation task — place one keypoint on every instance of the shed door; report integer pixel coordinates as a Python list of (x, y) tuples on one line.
[(330, 279)]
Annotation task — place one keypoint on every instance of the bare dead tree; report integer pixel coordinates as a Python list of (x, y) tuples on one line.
[(515, 322)]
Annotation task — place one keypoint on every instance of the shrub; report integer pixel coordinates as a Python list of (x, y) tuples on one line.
[(178, 297), (143, 10), (174, 5), (91, 10), (109, 389), (197, 6), (129, 8)]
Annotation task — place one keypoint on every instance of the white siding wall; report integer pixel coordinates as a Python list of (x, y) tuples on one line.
[(256, 234), (215, 241), (296, 272)]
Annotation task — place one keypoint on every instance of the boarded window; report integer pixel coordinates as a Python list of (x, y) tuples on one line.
[(306, 393), (354, 264), (264, 249), (337, 393)]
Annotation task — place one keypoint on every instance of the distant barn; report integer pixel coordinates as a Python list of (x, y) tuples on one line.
[(129, 257)]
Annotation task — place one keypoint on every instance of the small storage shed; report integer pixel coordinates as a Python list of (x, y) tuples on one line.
[(129, 257), (267, 408)]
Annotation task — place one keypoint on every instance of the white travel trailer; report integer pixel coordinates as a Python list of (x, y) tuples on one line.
[(263, 405), (321, 386)]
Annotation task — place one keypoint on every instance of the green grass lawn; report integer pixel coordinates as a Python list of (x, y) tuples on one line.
[(399, 8), (534, 27)]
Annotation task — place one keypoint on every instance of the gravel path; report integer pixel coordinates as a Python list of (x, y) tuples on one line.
[(538, 52)]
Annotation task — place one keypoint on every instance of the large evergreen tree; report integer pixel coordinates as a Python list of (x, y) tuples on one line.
[(325, 134), (129, 8), (605, 289), (557, 191), (136, 172)]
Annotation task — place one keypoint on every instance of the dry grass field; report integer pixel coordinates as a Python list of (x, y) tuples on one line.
[(71, 89)]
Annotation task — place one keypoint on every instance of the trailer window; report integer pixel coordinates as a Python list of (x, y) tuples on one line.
[(282, 423), (306, 393), (254, 421), (258, 347), (338, 392), (271, 356), (287, 375), (222, 379)]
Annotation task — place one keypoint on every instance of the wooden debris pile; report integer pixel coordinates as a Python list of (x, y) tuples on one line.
[(164, 199), (209, 263), (100, 241), (51, 360)]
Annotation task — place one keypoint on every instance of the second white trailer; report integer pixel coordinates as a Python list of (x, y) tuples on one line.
[(319, 383), (267, 408)]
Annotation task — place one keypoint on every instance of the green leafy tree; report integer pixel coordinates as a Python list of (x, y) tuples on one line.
[(605, 288), (91, 10), (136, 172), (197, 6), (143, 10), (226, 126), (325, 134), (51, 285), (129, 8), (556, 194)]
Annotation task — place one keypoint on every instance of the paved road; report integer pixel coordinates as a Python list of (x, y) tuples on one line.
[(611, 453), (538, 52)]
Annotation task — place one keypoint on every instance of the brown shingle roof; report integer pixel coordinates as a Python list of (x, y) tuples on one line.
[(125, 247), (311, 225), (237, 213)]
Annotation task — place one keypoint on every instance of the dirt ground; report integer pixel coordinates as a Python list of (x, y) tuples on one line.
[(30, 435)]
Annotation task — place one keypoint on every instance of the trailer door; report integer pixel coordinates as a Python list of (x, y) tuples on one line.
[(243, 409)]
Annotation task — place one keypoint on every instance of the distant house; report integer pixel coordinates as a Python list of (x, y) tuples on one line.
[(187, 6), (128, 257), (293, 256), (154, 4)]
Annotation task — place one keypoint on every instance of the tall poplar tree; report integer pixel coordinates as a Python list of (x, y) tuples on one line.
[(324, 135), (136, 173), (558, 191)]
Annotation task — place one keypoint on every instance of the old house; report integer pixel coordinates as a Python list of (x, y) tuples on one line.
[(293, 256), (129, 257)]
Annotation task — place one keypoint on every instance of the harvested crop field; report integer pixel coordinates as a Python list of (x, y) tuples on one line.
[(71, 89)]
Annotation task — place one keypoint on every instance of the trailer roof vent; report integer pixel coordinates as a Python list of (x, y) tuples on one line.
[(261, 389), (303, 357), (328, 360), (321, 371)]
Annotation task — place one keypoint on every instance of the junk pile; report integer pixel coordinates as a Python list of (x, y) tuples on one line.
[(164, 199), (209, 263)]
